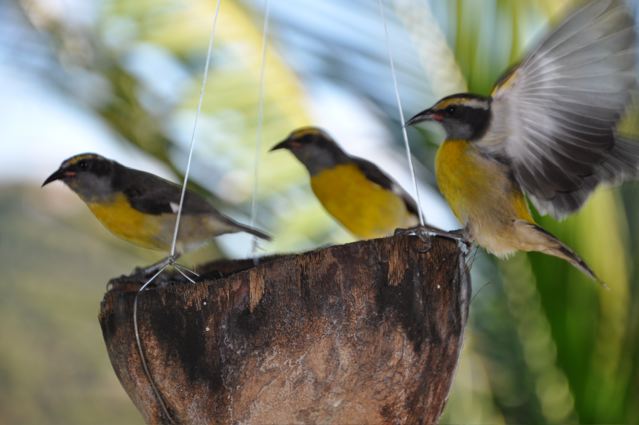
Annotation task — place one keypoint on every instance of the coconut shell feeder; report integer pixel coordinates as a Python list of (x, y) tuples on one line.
[(364, 333)]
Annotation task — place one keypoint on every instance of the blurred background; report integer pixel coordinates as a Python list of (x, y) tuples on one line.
[(544, 345)]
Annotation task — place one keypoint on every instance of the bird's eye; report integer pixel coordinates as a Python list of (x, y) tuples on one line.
[(451, 109), (83, 165)]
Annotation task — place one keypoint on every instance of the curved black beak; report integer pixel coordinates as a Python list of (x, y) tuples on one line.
[(425, 115), (284, 144), (57, 175)]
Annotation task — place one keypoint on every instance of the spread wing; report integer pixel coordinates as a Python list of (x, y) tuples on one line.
[(374, 174), (554, 116)]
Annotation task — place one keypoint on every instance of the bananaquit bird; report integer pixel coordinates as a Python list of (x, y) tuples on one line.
[(549, 130), (355, 191), (141, 207)]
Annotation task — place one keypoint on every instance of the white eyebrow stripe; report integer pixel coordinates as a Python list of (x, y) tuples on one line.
[(475, 103), (464, 101)]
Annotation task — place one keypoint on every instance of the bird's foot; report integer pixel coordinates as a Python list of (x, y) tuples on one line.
[(426, 231), (152, 272), (463, 239), (155, 267)]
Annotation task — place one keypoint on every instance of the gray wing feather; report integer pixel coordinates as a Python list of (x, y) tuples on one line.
[(555, 116)]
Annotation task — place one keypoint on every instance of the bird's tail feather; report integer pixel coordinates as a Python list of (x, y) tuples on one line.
[(553, 246), (253, 231)]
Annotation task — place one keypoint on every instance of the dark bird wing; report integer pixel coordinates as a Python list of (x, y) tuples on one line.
[(151, 194), (555, 115), (377, 176)]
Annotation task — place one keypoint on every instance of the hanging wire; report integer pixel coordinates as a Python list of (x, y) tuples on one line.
[(172, 254), (138, 341), (260, 122), (422, 219), (193, 133)]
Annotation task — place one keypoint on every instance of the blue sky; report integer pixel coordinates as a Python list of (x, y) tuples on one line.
[(41, 127)]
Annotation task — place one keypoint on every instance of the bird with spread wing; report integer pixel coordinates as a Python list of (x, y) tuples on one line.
[(549, 130)]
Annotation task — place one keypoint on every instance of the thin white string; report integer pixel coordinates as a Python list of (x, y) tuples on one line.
[(183, 273), (422, 219), (172, 254), (193, 133), (260, 121), (186, 270), (138, 341)]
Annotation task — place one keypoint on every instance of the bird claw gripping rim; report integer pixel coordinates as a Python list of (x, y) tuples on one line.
[(425, 232), (169, 261)]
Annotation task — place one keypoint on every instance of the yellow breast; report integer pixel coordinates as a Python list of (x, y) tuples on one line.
[(477, 188), (366, 209), (130, 224)]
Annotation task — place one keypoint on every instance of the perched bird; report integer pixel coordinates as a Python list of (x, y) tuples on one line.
[(363, 198), (141, 207), (549, 130)]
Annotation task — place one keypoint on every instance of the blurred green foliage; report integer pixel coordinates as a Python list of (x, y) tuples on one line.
[(544, 344), (53, 365)]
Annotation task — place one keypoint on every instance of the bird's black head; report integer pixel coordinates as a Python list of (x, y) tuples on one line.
[(87, 174), (463, 116), (314, 148)]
